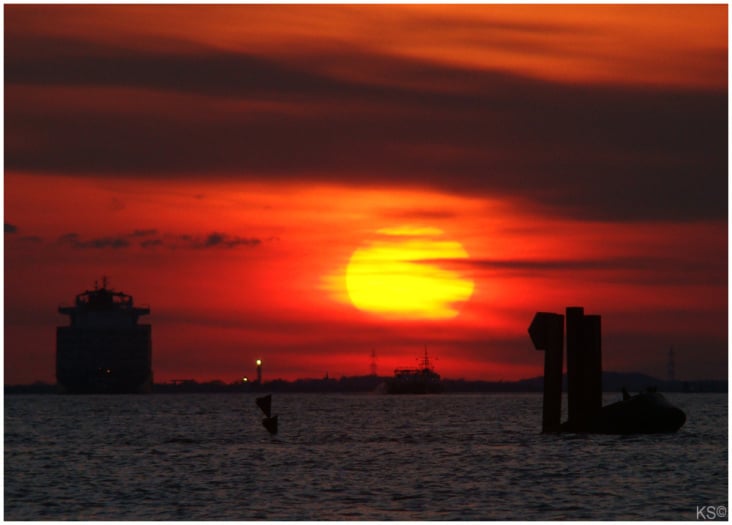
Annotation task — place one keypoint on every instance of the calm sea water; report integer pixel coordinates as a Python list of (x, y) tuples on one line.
[(349, 457)]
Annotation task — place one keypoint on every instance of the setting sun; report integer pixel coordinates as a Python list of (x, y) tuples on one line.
[(398, 274), (282, 182)]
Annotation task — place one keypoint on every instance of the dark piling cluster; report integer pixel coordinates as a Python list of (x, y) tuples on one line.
[(647, 412)]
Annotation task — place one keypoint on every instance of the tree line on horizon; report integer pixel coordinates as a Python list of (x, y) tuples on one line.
[(612, 382)]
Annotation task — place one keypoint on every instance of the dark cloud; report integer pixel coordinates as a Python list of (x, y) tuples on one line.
[(65, 61), (31, 239), (640, 270), (217, 239), (143, 233), (28, 239), (593, 152), (149, 239), (69, 238), (75, 241), (537, 267), (151, 243), (554, 264), (420, 214)]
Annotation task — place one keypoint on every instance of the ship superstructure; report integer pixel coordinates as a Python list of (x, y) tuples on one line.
[(104, 349)]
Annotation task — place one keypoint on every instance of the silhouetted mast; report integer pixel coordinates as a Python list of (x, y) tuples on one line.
[(425, 364)]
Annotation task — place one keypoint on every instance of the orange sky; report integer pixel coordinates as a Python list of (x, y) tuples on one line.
[(223, 163)]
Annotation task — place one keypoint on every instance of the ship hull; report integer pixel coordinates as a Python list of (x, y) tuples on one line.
[(122, 386), (104, 361), (413, 387), (415, 382)]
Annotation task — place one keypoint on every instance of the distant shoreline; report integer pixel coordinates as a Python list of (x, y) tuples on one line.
[(612, 382)]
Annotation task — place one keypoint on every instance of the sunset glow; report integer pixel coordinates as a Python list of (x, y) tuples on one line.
[(393, 275), (311, 184)]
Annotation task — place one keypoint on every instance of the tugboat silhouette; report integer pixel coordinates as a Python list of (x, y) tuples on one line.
[(422, 380), (645, 413)]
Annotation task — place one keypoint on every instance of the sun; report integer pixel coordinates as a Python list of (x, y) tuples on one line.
[(402, 273)]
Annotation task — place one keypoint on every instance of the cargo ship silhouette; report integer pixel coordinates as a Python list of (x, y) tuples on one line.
[(104, 349)]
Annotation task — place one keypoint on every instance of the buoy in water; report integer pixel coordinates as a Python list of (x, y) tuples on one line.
[(265, 403), (270, 423)]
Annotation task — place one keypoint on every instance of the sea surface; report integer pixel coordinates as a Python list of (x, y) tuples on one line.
[(350, 457)]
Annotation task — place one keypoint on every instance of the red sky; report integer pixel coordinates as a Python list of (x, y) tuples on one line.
[(224, 163)]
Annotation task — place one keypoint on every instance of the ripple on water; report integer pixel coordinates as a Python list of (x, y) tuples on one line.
[(347, 457)]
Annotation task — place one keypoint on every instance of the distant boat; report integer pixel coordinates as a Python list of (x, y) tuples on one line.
[(421, 380)]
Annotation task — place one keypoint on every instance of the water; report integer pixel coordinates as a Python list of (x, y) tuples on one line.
[(349, 457)]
